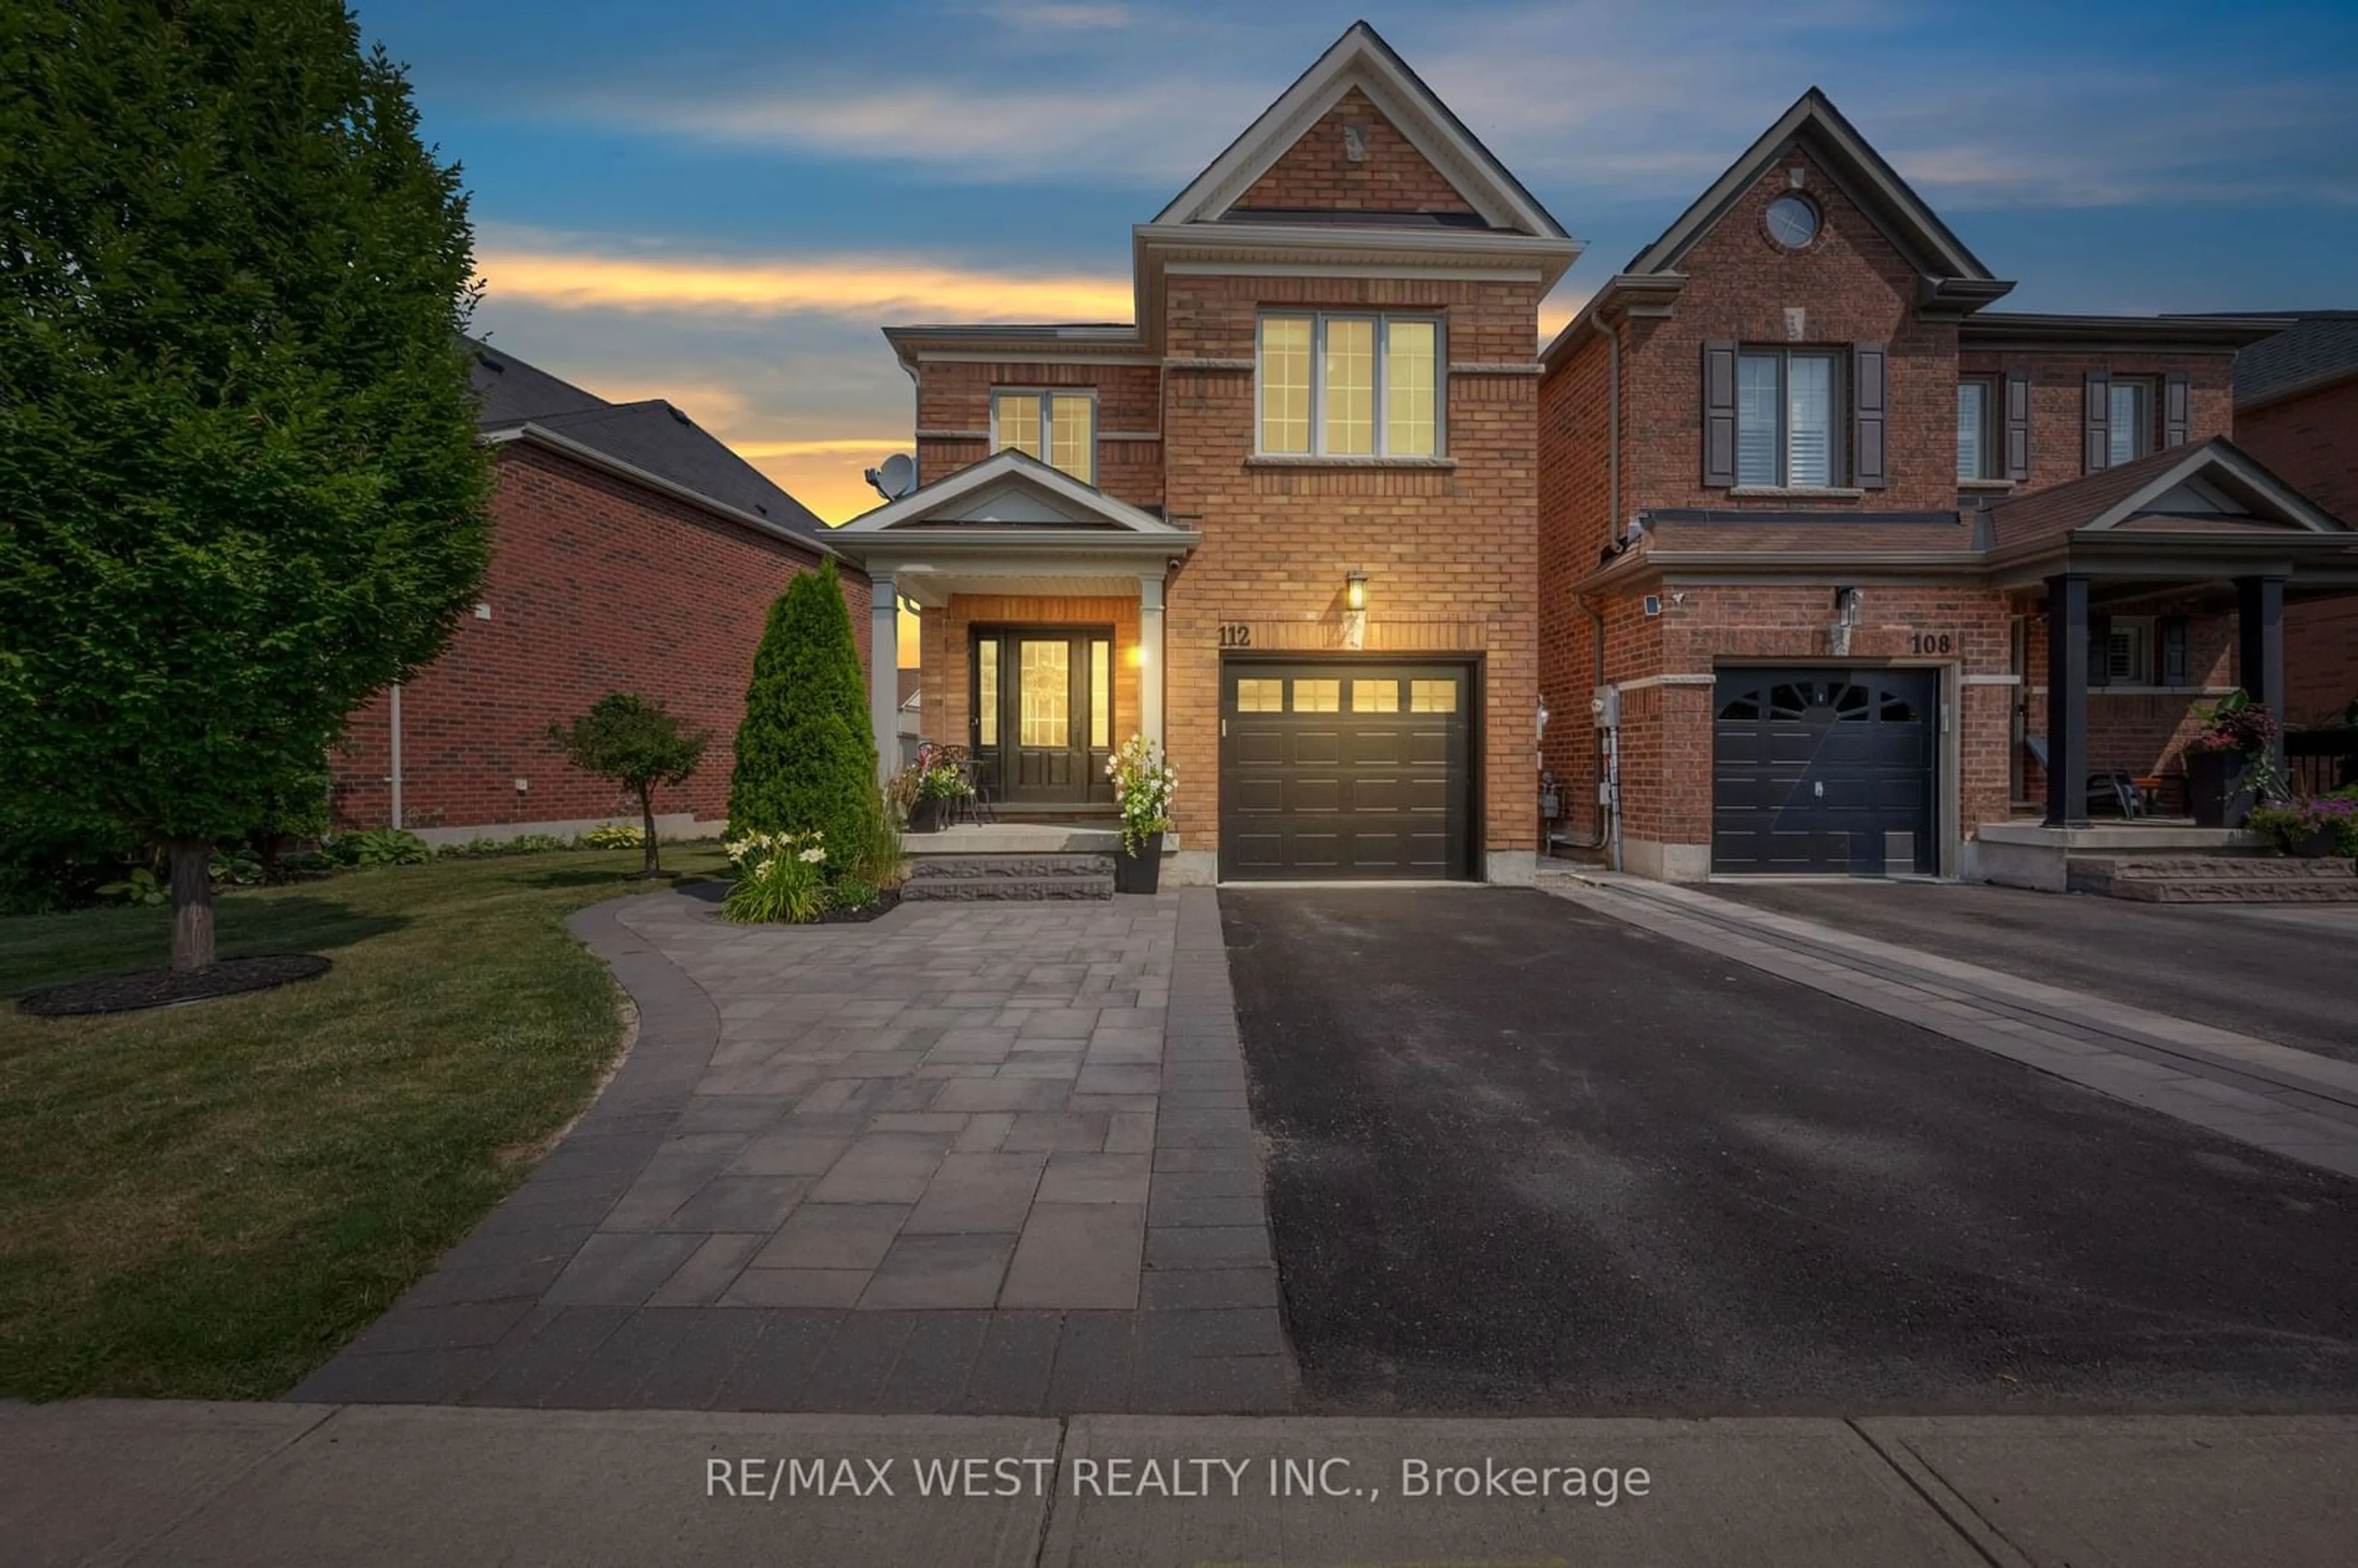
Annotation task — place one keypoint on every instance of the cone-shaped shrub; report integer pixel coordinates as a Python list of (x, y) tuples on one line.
[(806, 756)]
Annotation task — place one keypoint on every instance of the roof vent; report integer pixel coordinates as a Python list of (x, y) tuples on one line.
[(496, 366), (678, 416), (762, 507)]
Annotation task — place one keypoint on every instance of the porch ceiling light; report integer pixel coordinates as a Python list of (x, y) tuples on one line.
[(1354, 591)]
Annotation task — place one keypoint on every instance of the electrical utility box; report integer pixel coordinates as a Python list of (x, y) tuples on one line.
[(1605, 708)]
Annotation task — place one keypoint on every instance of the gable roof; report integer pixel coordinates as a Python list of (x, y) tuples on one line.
[(1874, 184), (1011, 494), (1361, 59), (651, 435), (2320, 347), (2203, 478)]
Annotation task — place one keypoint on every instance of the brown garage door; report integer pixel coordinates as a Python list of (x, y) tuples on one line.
[(1346, 770)]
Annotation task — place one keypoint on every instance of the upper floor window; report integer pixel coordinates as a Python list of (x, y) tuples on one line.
[(1342, 385), (2129, 422), (1976, 452), (1785, 418), (1057, 427)]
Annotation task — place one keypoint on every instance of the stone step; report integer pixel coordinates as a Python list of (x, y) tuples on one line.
[(2245, 868), (961, 878), (2196, 890)]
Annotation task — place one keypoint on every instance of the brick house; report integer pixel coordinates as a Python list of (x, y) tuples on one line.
[(1284, 523), (631, 551), (2297, 411), (1809, 509)]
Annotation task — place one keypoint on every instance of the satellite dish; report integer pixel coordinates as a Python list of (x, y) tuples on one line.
[(896, 479)]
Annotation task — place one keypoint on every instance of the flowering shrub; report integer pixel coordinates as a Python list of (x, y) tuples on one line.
[(1143, 785), (779, 877), (613, 836), (2294, 823)]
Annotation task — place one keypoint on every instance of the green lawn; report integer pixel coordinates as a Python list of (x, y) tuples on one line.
[(206, 1201)]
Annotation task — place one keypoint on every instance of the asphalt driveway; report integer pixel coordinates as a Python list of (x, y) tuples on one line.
[(1524, 1158), (2279, 971)]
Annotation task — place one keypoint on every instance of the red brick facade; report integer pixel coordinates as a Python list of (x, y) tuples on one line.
[(1851, 285), (2312, 439), (597, 584), (1448, 546)]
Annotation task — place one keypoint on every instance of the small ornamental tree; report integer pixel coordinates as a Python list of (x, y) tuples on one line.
[(241, 487), (805, 755), (638, 743)]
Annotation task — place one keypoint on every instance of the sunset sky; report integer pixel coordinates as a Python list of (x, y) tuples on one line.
[(719, 202)]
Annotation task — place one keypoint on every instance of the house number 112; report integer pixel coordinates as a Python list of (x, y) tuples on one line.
[(1235, 634)]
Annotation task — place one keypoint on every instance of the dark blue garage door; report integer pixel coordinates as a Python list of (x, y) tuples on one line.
[(1823, 771)]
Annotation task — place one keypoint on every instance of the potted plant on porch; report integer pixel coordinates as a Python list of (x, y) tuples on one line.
[(930, 788), (1143, 783), (2322, 826), (2231, 763)]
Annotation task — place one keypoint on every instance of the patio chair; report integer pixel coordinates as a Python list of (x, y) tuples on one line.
[(974, 805)]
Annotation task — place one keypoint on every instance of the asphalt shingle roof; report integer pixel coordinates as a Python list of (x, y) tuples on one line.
[(650, 435), (2319, 345)]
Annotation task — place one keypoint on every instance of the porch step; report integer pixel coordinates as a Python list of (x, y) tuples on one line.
[(2223, 878), (959, 878)]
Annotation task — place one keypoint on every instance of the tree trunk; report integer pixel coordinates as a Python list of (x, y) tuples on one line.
[(192, 902), (647, 821)]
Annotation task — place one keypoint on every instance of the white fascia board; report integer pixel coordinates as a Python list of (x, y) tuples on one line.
[(540, 436), (2215, 454), (1004, 465)]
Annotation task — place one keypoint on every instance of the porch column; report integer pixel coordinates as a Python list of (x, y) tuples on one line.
[(2067, 701), (2259, 636), (1150, 657), (884, 672)]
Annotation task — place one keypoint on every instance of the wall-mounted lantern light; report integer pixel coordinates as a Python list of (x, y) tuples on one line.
[(1354, 591)]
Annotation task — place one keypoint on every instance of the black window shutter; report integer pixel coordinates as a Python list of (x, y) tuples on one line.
[(1870, 415), (2176, 395), (2097, 453), (2171, 634), (2017, 417), (2100, 650), (1719, 412)]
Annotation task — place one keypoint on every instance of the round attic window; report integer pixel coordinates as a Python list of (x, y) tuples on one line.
[(1793, 222)]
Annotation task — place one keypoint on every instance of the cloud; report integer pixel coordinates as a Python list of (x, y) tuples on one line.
[(867, 288)]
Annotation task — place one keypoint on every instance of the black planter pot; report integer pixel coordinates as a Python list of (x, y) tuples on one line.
[(1141, 872), (928, 815), (2216, 790), (2319, 845)]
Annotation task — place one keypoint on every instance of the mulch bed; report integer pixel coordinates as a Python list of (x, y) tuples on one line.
[(171, 988), (887, 901)]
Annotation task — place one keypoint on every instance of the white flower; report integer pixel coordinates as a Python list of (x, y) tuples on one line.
[(813, 857)]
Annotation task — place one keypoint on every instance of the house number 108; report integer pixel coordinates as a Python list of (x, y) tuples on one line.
[(1930, 642)]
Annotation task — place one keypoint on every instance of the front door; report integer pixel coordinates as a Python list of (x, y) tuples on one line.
[(1043, 713)]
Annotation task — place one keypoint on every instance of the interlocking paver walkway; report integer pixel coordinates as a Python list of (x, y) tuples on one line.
[(986, 1157)]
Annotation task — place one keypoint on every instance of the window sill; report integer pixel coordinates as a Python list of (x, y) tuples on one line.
[(1318, 460), (1800, 493), (1988, 486)]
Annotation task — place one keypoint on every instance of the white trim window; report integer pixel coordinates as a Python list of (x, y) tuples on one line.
[(1019, 417), (1787, 434), (2128, 431), (1342, 385), (1976, 396), (2128, 652)]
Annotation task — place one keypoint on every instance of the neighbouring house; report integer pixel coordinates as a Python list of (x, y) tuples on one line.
[(1856, 575), (2297, 411), (631, 550), (1285, 521)]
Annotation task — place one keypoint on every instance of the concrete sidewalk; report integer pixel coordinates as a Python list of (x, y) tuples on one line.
[(174, 1482)]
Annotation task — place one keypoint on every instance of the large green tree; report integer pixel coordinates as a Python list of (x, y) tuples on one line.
[(805, 754), (240, 484)]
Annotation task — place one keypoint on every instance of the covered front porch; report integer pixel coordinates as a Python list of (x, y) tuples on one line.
[(1041, 642), (2146, 598)]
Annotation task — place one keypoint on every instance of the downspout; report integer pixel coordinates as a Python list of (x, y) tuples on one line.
[(1608, 773), (392, 728)]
